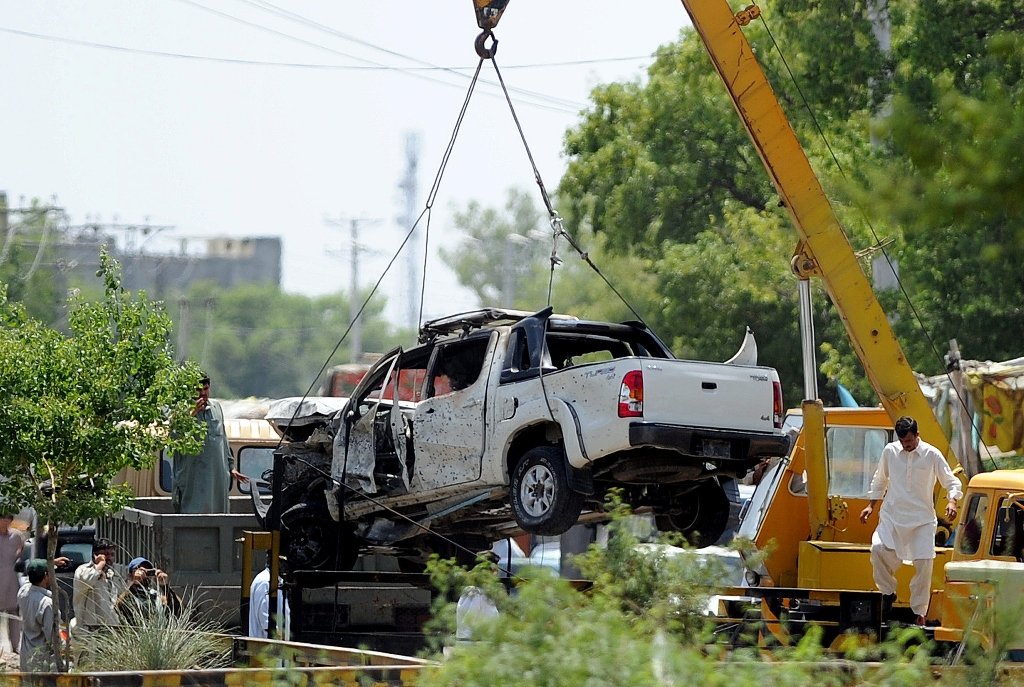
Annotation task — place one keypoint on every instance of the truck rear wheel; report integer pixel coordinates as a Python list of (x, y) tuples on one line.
[(541, 498), (701, 514)]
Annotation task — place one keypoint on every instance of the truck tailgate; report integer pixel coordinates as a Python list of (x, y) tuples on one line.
[(708, 394)]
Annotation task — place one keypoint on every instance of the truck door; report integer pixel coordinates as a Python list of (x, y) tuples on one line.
[(449, 424), (366, 418)]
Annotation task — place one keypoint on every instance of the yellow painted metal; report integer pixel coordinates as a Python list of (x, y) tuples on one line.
[(838, 565), (982, 590), (817, 480), (964, 606), (488, 12), (786, 520), (824, 244)]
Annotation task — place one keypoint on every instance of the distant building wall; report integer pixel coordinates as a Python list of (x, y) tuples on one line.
[(227, 262)]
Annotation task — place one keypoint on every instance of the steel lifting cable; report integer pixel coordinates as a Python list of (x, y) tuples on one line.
[(557, 228), (754, 12), (426, 212), (409, 234)]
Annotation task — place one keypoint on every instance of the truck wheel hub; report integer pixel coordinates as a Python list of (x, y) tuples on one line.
[(538, 490)]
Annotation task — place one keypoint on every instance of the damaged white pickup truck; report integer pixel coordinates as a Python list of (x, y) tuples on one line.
[(501, 420)]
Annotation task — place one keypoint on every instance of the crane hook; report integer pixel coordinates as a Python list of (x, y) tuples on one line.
[(480, 44), (488, 13)]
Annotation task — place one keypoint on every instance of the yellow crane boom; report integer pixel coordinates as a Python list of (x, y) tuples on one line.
[(824, 250)]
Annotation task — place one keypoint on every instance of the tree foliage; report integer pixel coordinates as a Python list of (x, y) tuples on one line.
[(655, 162), (79, 407), (256, 340), (640, 622), (956, 194), (501, 258), (663, 169), (25, 259)]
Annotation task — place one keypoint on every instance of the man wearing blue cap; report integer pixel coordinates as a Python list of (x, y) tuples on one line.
[(142, 597), (39, 640)]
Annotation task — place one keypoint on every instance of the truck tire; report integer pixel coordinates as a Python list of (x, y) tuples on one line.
[(541, 498), (311, 540), (700, 514)]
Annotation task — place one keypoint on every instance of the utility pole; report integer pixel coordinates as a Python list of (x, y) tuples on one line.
[(413, 272), (183, 323), (37, 216), (354, 251)]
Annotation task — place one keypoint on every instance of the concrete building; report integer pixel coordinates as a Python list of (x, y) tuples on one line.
[(224, 261)]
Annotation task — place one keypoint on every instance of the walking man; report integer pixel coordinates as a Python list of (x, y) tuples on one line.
[(904, 482)]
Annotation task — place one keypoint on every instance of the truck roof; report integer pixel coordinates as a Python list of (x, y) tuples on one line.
[(1012, 480), (479, 318)]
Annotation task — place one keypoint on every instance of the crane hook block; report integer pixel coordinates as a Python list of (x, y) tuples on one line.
[(488, 12)]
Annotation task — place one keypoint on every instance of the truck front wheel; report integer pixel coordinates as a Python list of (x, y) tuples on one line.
[(542, 501), (311, 540)]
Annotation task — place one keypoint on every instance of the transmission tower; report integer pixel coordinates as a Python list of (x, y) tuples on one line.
[(414, 250)]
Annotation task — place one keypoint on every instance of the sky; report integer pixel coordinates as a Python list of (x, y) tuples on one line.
[(252, 118)]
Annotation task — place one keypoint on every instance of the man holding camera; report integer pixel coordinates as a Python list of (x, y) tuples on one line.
[(148, 591)]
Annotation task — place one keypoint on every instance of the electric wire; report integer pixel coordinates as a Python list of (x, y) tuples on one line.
[(552, 103), (292, 16), (556, 220), (431, 199), (308, 65), (878, 242)]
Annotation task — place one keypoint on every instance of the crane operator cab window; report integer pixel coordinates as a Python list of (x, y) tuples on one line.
[(852, 458)]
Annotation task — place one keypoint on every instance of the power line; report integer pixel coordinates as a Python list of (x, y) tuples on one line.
[(305, 65), (546, 101)]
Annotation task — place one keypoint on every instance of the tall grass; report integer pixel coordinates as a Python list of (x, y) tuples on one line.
[(155, 640)]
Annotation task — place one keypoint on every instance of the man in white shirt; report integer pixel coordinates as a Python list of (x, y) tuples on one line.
[(259, 608), (904, 482)]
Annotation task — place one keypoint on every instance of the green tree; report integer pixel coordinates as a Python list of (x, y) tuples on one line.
[(654, 162), (26, 259), (80, 407), (255, 340), (640, 622), (957, 198), (502, 258), (663, 169)]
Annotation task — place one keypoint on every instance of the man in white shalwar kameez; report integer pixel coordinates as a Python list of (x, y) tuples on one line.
[(904, 482)]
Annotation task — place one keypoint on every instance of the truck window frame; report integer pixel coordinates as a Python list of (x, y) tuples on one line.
[(971, 532)]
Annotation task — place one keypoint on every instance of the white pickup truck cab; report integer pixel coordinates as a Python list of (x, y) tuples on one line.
[(500, 416)]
